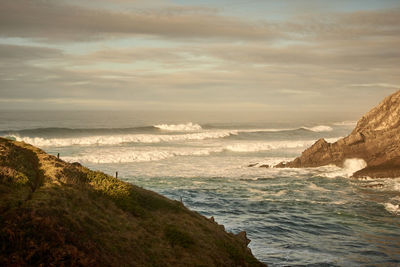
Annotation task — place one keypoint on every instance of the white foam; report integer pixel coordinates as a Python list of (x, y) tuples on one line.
[(179, 127), (353, 165), (395, 184), (119, 139), (350, 166), (392, 208), (266, 130), (315, 187), (265, 146), (389, 184), (319, 128), (131, 155)]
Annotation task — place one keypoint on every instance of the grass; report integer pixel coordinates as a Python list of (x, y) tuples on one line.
[(56, 213), (178, 237)]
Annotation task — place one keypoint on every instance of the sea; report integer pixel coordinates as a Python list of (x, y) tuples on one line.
[(293, 217)]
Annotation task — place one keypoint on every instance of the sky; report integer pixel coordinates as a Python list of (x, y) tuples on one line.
[(271, 58)]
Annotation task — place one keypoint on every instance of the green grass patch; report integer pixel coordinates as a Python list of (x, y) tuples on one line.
[(177, 237)]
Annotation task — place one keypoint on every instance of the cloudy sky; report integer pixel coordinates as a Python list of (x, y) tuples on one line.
[(261, 56)]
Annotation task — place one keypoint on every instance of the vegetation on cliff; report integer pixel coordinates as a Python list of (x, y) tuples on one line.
[(376, 140), (57, 213)]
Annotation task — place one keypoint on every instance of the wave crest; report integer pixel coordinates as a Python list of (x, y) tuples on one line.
[(179, 127), (127, 156), (350, 166), (120, 139), (319, 128), (255, 147)]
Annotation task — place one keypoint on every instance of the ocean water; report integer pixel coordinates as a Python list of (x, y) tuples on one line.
[(307, 217)]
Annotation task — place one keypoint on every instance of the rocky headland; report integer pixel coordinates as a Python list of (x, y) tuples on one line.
[(375, 139), (54, 213)]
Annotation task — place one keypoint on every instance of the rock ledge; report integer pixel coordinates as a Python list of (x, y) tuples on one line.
[(375, 139)]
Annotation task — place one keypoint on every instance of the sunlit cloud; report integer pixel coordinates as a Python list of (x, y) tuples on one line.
[(153, 54)]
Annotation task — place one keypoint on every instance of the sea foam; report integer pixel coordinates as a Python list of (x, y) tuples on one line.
[(265, 146), (135, 154), (350, 166), (392, 208), (130, 155), (179, 127), (319, 128), (120, 139)]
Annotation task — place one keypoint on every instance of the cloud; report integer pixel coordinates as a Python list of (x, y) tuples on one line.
[(200, 73), (345, 26), (54, 21), (384, 85), (187, 56), (23, 52)]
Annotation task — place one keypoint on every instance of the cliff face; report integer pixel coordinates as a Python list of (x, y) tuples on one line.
[(375, 139), (53, 213)]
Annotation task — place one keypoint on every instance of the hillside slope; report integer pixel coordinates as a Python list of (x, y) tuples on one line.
[(56, 213), (375, 139)]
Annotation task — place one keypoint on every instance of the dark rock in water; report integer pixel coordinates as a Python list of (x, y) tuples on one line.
[(387, 169), (264, 166), (375, 139), (252, 165), (374, 186)]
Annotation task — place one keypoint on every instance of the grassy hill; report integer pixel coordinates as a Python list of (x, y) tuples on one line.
[(57, 213)]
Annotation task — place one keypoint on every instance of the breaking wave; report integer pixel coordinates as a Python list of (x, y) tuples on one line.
[(179, 127), (54, 132), (255, 147), (353, 165), (126, 156), (319, 128), (350, 166), (120, 139)]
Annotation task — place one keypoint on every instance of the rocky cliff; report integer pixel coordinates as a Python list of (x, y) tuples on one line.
[(375, 139), (53, 213)]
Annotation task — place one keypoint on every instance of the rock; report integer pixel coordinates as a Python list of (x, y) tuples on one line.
[(375, 139), (243, 237), (264, 166), (355, 139), (374, 186), (252, 164)]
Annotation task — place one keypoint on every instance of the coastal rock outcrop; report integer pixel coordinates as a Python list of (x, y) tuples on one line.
[(375, 139)]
